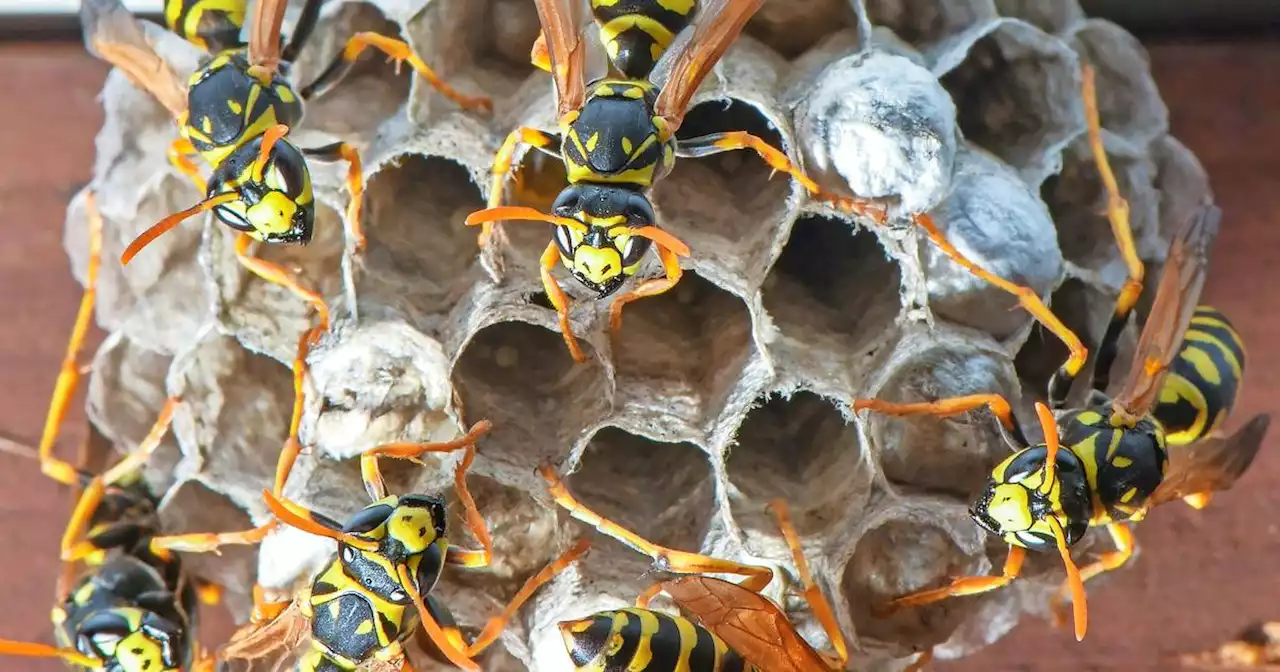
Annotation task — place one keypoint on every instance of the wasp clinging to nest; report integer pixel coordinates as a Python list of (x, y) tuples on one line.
[(617, 137), (1111, 462)]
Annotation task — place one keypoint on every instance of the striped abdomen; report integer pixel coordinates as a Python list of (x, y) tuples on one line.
[(637, 32), (212, 25), (639, 640), (1203, 380)]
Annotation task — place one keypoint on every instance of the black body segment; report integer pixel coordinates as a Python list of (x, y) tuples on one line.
[(636, 33), (640, 640)]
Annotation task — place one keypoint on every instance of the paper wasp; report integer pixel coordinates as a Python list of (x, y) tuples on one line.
[(217, 25), (370, 598), (1110, 462), (131, 607), (617, 137), (732, 626), (1256, 648)]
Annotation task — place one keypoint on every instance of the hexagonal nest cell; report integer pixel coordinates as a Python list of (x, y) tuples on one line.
[(730, 389)]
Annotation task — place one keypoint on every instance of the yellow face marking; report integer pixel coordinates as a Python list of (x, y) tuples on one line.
[(412, 527), (1010, 507), (1121, 462), (136, 651), (595, 264), (273, 214), (1203, 364)]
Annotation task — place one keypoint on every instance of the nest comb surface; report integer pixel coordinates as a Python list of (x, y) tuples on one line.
[(728, 391)]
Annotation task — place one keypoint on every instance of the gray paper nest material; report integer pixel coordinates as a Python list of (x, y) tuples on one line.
[(732, 389)]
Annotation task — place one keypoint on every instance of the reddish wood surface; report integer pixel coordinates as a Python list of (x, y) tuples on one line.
[(1202, 575)]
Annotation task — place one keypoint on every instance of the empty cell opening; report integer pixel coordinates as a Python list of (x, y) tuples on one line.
[(923, 22), (521, 378), (1077, 200), (950, 456), (692, 341), (534, 182), (478, 48), (729, 195), (1012, 98), (1084, 311), (898, 558), (801, 449), (792, 28), (420, 253), (506, 37), (661, 491), (369, 92), (832, 285)]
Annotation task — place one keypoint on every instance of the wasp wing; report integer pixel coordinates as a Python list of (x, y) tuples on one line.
[(1211, 464), (563, 23), (264, 33), (680, 71), (1180, 283), (271, 640), (113, 34), (748, 622)]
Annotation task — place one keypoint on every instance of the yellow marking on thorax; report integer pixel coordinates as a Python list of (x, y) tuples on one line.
[(1086, 450), (1121, 462), (285, 94), (592, 142), (1117, 435)]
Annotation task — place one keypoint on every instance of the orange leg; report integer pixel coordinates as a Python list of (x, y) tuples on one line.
[(399, 52), (645, 597), (812, 593), (1049, 428), (495, 625), (74, 546), (180, 153), (502, 162), (946, 407), (968, 585), (1122, 536), (29, 650), (372, 475), (264, 609), (650, 287), (560, 300), (341, 151), (204, 542), (70, 372), (278, 276), (292, 447), (665, 559)]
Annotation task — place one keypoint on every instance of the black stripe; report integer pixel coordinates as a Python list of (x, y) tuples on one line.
[(664, 646), (631, 636), (588, 644), (703, 655)]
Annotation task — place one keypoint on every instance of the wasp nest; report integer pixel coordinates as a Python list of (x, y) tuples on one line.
[(731, 389)]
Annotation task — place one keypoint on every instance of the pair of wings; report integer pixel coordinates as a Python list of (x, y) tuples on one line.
[(1213, 463), (115, 35), (688, 60)]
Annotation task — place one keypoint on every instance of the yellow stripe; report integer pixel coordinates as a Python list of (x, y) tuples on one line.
[(1194, 336), (610, 31), (1203, 364), (1178, 388)]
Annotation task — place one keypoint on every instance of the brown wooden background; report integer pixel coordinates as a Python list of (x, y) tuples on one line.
[(1201, 576)]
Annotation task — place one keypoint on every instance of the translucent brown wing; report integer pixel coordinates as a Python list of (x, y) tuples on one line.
[(562, 27), (271, 640), (1211, 464), (113, 34), (264, 32), (748, 622), (681, 70), (1180, 283)]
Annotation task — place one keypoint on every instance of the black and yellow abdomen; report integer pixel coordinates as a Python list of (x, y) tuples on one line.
[(637, 32), (212, 25), (640, 640), (1123, 465), (1202, 382)]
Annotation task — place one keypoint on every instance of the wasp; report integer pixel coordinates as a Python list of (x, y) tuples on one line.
[(360, 608), (132, 607), (731, 626), (216, 26), (1256, 648), (1110, 462), (617, 137)]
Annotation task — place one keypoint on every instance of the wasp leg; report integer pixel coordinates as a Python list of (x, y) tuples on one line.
[(545, 142), (1118, 214), (396, 51), (998, 405), (650, 287), (645, 597), (278, 276), (292, 447), (341, 151), (715, 143), (204, 542), (264, 609), (180, 153), (666, 559), (1026, 296), (372, 475), (559, 300), (812, 593), (539, 55), (967, 585), (69, 373), (74, 546), (31, 650), (302, 30), (1122, 536), (495, 625)]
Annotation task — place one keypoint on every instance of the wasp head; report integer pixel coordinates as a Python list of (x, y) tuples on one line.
[(1017, 502), (603, 253), (275, 204)]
